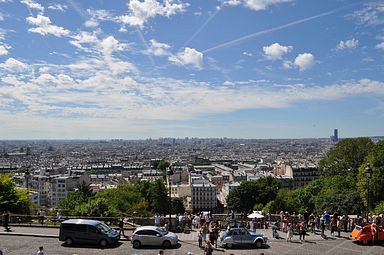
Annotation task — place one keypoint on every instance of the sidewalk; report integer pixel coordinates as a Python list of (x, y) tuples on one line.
[(183, 237)]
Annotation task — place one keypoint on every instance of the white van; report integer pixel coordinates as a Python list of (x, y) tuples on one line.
[(87, 232)]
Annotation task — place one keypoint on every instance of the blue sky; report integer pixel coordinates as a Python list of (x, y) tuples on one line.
[(135, 69)]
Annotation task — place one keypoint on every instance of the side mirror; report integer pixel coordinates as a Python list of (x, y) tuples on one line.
[(158, 235)]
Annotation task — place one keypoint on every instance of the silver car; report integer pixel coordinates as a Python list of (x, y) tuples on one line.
[(153, 236)]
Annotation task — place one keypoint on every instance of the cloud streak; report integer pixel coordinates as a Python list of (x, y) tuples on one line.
[(271, 30)]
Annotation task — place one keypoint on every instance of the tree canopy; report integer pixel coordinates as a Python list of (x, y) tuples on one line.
[(141, 198), (251, 193), (13, 199)]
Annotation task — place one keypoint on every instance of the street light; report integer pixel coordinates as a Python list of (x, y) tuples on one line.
[(368, 173), (169, 174)]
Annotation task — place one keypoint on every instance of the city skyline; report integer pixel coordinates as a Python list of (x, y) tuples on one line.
[(228, 68)]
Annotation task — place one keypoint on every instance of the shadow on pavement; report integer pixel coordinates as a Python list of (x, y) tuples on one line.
[(177, 246), (94, 246)]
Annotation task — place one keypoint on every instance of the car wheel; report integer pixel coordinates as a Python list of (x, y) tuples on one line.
[(229, 245), (166, 244), (103, 243), (136, 244), (68, 241), (258, 244), (365, 242)]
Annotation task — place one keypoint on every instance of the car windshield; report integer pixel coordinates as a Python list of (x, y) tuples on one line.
[(104, 228), (358, 228), (162, 231)]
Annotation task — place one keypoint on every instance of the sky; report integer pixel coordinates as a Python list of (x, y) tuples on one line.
[(102, 69)]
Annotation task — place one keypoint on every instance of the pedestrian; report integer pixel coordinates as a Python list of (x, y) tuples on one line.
[(40, 251), (41, 216), (289, 232), (157, 220), (322, 227), (254, 224), (216, 231), (300, 227), (200, 238), (339, 225), (6, 222), (208, 249), (121, 226), (211, 237)]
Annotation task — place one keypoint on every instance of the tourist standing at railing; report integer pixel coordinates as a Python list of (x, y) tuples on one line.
[(41, 216), (157, 220)]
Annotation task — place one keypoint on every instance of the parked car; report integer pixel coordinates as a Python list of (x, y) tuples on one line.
[(88, 232), (241, 236), (363, 234), (153, 236)]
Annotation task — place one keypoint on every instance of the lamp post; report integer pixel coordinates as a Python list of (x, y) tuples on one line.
[(368, 173), (27, 174), (169, 174)]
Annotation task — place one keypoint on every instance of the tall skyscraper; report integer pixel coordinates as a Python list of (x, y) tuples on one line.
[(335, 136)]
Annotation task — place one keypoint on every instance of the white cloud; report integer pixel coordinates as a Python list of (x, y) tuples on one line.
[(249, 54), (58, 7), (44, 26), (380, 46), (157, 49), (188, 57), (110, 45), (371, 15), (276, 51), (288, 64), (349, 44), (304, 61), (141, 11), (84, 38), (1, 16), (33, 5), (3, 50), (232, 2), (256, 5), (96, 16), (12, 64)]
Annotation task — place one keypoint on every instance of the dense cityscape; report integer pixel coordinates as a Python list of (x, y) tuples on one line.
[(52, 169)]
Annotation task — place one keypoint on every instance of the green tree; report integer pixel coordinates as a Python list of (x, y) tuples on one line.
[(177, 206), (159, 197), (125, 199), (85, 189), (72, 200), (376, 160), (249, 193), (97, 207), (13, 199), (346, 157)]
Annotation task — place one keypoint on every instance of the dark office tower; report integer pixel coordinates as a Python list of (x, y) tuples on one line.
[(335, 136)]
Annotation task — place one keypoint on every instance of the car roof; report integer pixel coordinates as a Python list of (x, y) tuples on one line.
[(147, 228), (81, 221)]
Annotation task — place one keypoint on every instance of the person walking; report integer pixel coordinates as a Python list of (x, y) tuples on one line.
[(40, 251), (208, 249), (289, 232), (121, 226), (200, 238), (322, 227), (6, 222)]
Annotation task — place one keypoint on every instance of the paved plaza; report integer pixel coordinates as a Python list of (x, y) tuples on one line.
[(26, 240)]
